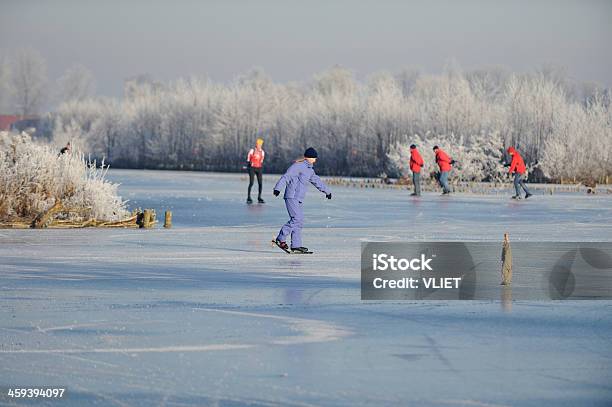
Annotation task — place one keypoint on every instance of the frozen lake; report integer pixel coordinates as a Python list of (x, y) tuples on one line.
[(208, 313)]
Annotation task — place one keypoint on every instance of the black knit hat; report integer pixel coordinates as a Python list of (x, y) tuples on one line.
[(412, 146), (435, 148), (310, 153)]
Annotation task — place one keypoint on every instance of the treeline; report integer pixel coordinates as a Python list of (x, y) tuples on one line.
[(564, 130)]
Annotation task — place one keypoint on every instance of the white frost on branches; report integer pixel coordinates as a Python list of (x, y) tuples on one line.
[(356, 126), (33, 177), (478, 158)]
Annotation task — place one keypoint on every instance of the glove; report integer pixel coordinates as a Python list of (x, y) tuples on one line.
[(328, 196), (453, 162), (276, 192)]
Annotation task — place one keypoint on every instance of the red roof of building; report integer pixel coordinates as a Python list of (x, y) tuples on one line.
[(6, 121)]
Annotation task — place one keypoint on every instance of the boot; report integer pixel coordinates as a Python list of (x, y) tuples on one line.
[(282, 245)]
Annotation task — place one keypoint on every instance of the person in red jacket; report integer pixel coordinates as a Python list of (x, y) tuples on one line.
[(517, 167), (416, 163), (255, 159), (446, 164)]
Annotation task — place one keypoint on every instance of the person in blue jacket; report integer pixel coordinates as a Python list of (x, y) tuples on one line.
[(295, 181)]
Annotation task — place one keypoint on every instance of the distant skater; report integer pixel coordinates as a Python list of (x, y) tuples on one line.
[(517, 167), (295, 181), (66, 150), (416, 163), (255, 160), (446, 164)]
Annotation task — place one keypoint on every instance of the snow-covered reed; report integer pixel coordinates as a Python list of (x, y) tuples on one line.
[(33, 177)]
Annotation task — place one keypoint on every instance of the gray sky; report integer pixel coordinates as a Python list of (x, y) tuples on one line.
[(291, 40)]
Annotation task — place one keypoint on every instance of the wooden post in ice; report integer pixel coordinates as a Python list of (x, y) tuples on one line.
[(147, 219), (506, 258), (168, 220)]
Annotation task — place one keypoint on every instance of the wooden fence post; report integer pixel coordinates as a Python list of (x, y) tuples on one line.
[(168, 220), (506, 261), (146, 219)]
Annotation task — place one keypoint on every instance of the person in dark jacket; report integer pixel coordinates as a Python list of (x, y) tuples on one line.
[(66, 150), (518, 169), (416, 163), (295, 181)]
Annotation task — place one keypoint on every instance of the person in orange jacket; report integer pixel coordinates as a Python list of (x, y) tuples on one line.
[(255, 159), (446, 164), (517, 167), (416, 163)]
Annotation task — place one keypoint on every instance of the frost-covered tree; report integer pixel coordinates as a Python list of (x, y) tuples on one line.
[(580, 145), (478, 157), (6, 90), (29, 81), (76, 84)]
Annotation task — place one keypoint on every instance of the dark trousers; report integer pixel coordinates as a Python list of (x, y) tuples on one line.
[(519, 181), (416, 180), (252, 172), (443, 180)]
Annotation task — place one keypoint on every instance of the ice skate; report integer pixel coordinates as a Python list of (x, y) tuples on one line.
[(300, 250), (282, 245)]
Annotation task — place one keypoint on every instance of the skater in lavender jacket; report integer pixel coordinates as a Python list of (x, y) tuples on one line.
[(295, 181)]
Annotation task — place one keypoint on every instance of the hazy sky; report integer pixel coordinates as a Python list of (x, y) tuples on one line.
[(291, 40)]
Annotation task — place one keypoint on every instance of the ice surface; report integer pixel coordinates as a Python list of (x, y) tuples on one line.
[(208, 313)]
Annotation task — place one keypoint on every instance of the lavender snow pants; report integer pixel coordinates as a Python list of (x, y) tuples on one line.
[(294, 226)]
